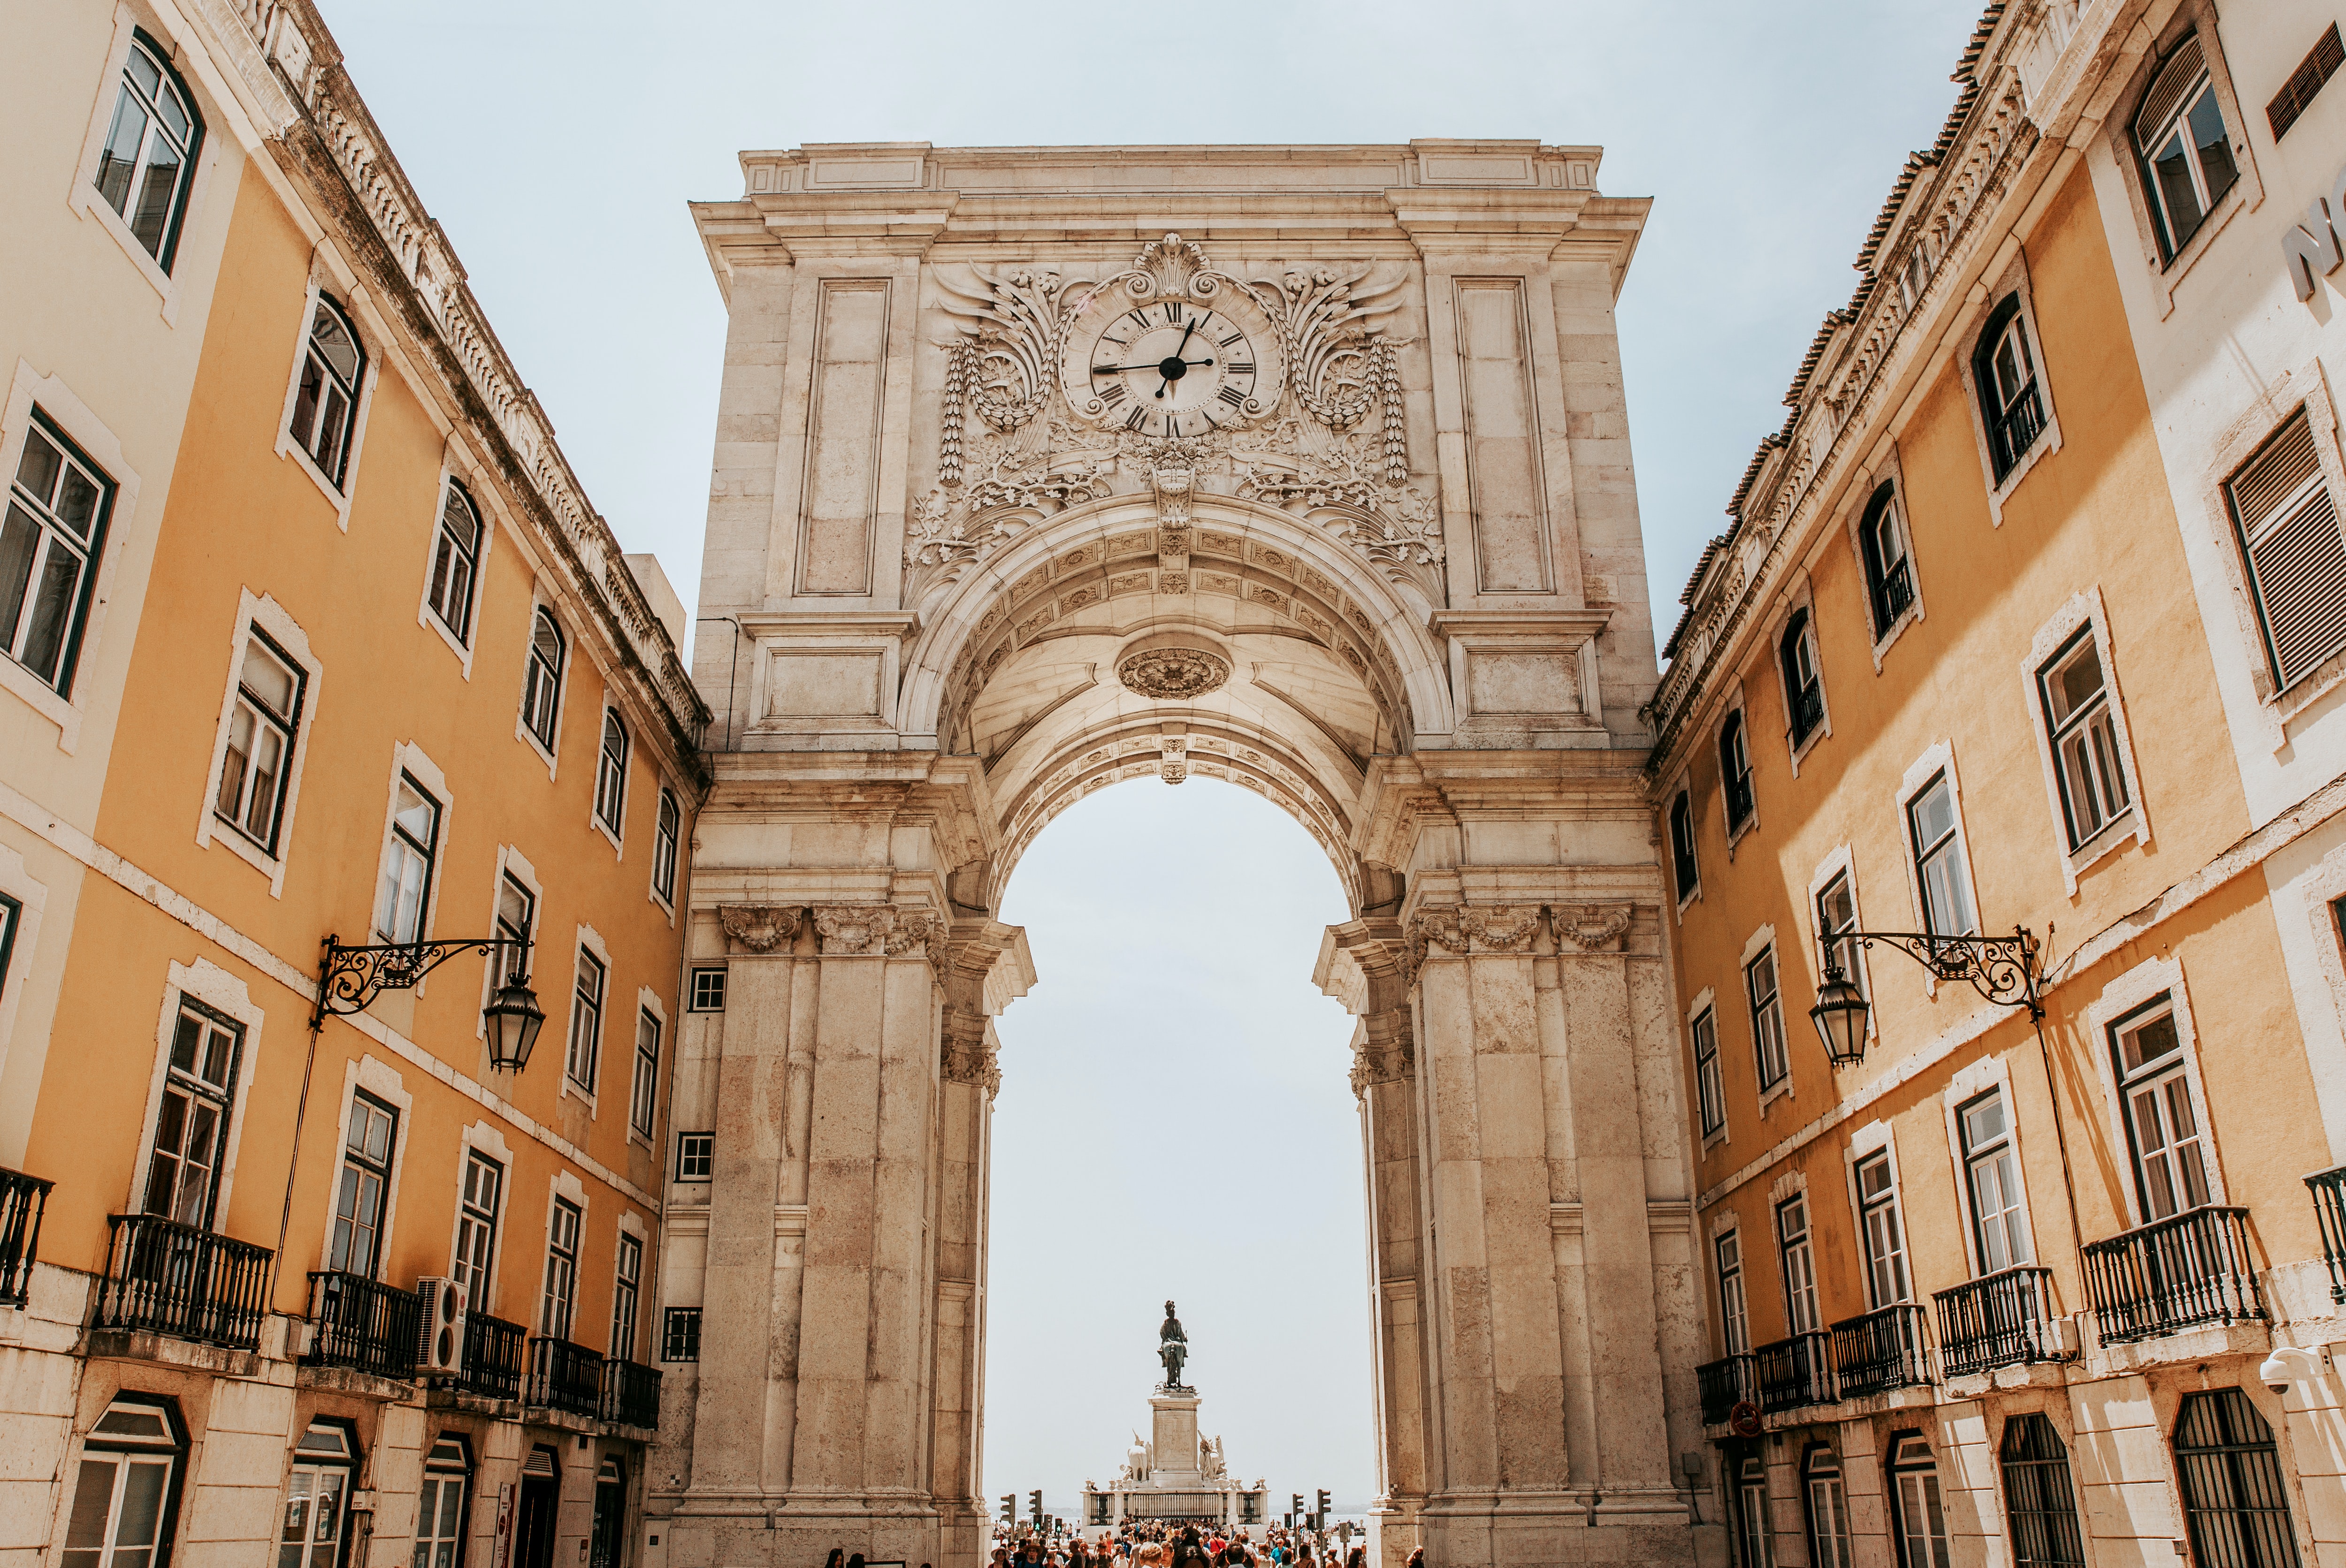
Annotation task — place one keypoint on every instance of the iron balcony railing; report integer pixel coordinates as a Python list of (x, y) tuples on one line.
[(22, 1200), (495, 1355), (1795, 1371), (2329, 1189), (1998, 1320), (1882, 1350), (630, 1393), (2172, 1275), (1892, 594), (363, 1323), (1808, 711), (172, 1278), (563, 1377), (1725, 1384), (2015, 430)]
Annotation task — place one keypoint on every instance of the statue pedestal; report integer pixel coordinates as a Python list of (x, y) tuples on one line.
[(1173, 1435)]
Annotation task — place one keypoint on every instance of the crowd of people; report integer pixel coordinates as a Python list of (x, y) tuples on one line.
[(1156, 1543)]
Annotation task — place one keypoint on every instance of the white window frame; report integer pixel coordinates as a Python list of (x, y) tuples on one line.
[(565, 1185), (1939, 756), (31, 898), (2165, 276), (124, 1452), (610, 715), (425, 616), (378, 1079), (1734, 830), (590, 941), (1878, 1139), (409, 759), (1989, 1073), (665, 793), (1723, 1226), (631, 1226), (511, 862), (1935, 1552), (1832, 1481), (270, 618), (1759, 940), (1838, 864), (1966, 339), (2321, 1011), (326, 277), (2125, 995), (1890, 473), (224, 993), (484, 1140), (1802, 601), (539, 601), (2083, 610), (1684, 786), (648, 1005), (87, 431), (82, 197), (1706, 1002), (1786, 1189)]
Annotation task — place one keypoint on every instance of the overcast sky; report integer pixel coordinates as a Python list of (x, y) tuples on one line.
[(1173, 1118)]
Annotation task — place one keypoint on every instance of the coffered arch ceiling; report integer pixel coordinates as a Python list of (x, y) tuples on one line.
[(1224, 640)]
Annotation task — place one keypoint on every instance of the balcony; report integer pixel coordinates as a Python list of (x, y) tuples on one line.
[(164, 1278), (1881, 1350), (2015, 430), (1725, 1385), (1998, 1320), (2173, 1275), (493, 1358), (630, 1393), (362, 1324), (2329, 1189), (1807, 711), (22, 1200), (1795, 1372), (563, 1377)]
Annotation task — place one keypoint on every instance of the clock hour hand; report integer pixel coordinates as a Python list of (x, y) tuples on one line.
[(1151, 365)]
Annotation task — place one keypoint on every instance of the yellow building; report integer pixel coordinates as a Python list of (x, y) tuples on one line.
[(1965, 667), (313, 645)]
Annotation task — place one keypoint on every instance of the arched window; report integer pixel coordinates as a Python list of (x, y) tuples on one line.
[(440, 1513), (1735, 770), (664, 847), (1921, 1521), (2038, 1496), (1828, 1505), (1804, 682), (1682, 862), (611, 773), (317, 1498), (1751, 1512), (1889, 573), (455, 562), (127, 1492), (2233, 1497), (148, 160), (541, 692), (2004, 368), (2186, 152), (326, 399)]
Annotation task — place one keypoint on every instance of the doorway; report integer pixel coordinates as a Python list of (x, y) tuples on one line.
[(541, 1493)]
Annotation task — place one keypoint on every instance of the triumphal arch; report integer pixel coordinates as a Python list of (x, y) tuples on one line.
[(1303, 468)]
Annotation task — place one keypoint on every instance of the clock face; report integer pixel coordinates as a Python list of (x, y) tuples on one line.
[(1168, 368)]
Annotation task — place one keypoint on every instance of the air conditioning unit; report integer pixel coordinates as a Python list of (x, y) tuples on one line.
[(440, 1326)]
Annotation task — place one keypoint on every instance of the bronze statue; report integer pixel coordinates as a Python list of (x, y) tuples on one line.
[(1172, 1348)]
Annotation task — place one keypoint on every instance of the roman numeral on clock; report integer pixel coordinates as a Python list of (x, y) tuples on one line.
[(1173, 312), (1242, 367), (1234, 338), (1232, 396), (1137, 418), (1141, 319), (1112, 394)]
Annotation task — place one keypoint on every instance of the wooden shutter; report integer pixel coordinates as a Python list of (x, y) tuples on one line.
[(2288, 531)]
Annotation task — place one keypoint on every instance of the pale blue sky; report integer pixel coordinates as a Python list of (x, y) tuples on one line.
[(558, 143)]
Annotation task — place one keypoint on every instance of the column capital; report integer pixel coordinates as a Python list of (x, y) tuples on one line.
[(881, 930), (759, 928)]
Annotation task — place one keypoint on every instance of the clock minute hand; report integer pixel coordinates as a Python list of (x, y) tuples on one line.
[(1152, 365)]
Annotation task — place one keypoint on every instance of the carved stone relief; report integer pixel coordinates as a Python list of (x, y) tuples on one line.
[(760, 928), (877, 931), (1173, 674)]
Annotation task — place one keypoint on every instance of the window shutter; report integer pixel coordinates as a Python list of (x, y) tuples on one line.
[(2296, 553), (2181, 71), (2297, 93)]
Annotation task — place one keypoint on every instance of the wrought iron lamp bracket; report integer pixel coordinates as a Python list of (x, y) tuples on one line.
[(350, 978), (2002, 969)]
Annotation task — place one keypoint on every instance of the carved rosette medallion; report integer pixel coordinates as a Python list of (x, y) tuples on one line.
[(1174, 674), (760, 928)]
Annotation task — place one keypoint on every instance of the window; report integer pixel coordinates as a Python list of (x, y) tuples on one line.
[(1921, 1523), (664, 843), (1683, 867), (2080, 722), (476, 1228), (1735, 770), (439, 1515), (125, 1490), (516, 917), (191, 1123), (2234, 1500), (12, 911), (611, 774), (407, 863), (2171, 1164), (586, 1022), (2186, 152), (2296, 94), (366, 1177), (1804, 685), (624, 1285), (455, 563), (1836, 919), (325, 400), (1938, 861), (2288, 532), (1766, 1018), (1885, 1241), (1889, 572), (707, 990), (49, 546), (696, 1156), (681, 1335), (149, 157), (645, 1101), (1752, 1512), (316, 1500), (2038, 1495), (1991, 1177), (2005, 374), (1709, 1096), (1828, 1509), (1735, 1321), (261, 724), (541, 692), (561, 1272), (1798, 1256)]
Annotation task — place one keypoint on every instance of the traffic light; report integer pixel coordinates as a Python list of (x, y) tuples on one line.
[(1009, 1507), (1035, 1506), (1321, 1512), (1296, 1499)]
